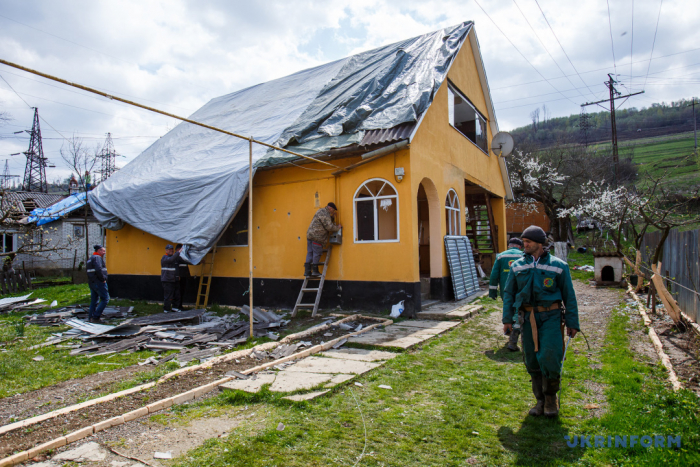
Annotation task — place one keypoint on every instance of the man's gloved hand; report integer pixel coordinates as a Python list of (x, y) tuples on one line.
[(493, 294)]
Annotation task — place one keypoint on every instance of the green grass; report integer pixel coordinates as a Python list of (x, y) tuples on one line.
[(671, 155), (459, 400), (580, 259)]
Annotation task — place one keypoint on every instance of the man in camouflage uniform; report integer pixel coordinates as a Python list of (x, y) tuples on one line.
[(317, 236), (499, 274), (539, 288)]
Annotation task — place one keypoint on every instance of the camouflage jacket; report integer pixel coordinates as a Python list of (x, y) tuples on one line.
[(321, 225)]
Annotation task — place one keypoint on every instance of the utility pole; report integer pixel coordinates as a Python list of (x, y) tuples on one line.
[(695, 125), (584, 125), (614, 94), (35, 170), (5, 178), (108, 156)]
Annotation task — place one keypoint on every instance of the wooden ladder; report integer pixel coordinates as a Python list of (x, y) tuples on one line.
[(305, 288), (205, 280)]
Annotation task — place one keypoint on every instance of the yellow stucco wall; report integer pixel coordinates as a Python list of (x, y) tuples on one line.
[(459, 158), (284, 201)]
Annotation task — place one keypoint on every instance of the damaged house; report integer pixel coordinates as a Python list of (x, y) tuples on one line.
[(408, 127)]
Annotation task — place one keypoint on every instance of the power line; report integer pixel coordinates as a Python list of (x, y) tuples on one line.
[(651, 56), (545, 47), (561, 46), (594, 71), (632, 44), (612, 44), (545, 94), (521, 54)]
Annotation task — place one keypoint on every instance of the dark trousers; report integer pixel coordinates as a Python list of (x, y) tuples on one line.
[(171, 294), (313, 251), (98, 290), (178, 304)]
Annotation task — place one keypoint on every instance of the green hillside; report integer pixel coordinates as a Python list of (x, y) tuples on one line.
[(672, 155)]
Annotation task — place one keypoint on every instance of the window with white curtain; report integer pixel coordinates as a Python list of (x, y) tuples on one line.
[(376, 210), (452, 213)]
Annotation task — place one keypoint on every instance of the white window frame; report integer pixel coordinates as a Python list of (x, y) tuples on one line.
[(453, 211), (374, 199), (451, 90)]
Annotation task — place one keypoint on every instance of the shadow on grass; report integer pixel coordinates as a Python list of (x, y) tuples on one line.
[(504, 355), (539, 441)]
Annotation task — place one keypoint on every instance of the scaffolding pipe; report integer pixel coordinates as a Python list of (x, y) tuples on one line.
[(152, 109), (250, 232)]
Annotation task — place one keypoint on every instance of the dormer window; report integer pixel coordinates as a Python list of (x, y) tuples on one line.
[(466, 119)]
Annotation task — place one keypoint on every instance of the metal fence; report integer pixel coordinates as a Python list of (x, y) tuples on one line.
[(680, 266)]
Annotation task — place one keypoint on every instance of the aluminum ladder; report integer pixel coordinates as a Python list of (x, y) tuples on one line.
[(308, 288), (205, 280)]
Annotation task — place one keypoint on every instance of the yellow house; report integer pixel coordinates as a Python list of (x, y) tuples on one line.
[(407, 125)]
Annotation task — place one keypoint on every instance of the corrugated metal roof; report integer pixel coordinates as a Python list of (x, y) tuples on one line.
[(397, 133), (26, 201)]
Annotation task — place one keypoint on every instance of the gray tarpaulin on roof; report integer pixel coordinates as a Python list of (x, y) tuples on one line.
[(187, 185)]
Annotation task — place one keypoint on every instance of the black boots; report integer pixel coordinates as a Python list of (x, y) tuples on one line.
[(551, 405), (314, 271), (513, 341), (538, 409), (307, 269)]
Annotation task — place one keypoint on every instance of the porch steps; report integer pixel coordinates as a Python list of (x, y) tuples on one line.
[(306, 288)]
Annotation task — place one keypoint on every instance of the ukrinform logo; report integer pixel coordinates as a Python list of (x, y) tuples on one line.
[(597, 441)]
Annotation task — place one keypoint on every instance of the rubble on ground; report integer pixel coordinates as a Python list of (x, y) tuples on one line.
[(24, 303), (197, 334)]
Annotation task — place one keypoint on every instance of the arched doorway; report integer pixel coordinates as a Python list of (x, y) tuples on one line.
[(429, 238)]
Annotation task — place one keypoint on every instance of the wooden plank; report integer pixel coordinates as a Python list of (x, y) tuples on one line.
[(669, 302)]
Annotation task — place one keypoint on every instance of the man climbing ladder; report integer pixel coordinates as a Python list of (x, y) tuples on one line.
[(317, 236)]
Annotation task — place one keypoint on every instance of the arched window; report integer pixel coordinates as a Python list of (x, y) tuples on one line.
[(452, 213), (376, 212)]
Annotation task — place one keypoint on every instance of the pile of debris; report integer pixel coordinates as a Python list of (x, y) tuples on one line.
[(197, 334), (62, 315), (13, 304)]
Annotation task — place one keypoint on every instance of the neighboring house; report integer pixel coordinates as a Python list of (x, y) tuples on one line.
[(15, 206), (409, 123), (61, 226), (520, 216)]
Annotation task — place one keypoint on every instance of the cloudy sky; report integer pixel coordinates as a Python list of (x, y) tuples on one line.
[(176, 55)]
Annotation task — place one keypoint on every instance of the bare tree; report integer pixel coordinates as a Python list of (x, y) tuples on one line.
[(535, 116), (82, 160), (545, 115)]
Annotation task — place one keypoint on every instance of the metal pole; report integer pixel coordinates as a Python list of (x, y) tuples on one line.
[(250, 231), (614, 128), (695, 126)]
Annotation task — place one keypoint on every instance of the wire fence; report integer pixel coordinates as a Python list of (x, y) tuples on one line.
[(680, 266)]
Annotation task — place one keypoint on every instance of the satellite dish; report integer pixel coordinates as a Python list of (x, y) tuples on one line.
[(502, 144)]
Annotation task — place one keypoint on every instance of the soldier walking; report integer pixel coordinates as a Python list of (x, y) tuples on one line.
[(539, 288), (499, 274)]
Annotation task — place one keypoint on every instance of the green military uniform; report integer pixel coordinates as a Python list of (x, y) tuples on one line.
[(544, 284), (501, 269), (499, 275)]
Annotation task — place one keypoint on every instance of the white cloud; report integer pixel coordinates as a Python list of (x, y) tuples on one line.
[(176, 55)]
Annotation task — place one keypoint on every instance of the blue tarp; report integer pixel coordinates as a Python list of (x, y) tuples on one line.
[(57, 210)]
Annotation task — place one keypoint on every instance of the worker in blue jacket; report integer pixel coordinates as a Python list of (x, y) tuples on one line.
[(97, 281), (539, 287), (499, 275)]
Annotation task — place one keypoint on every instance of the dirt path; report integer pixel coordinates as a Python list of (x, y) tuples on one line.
[(73, 391)]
